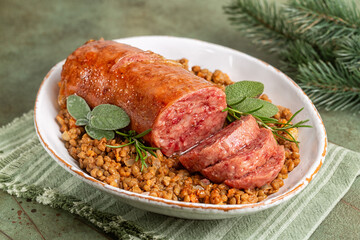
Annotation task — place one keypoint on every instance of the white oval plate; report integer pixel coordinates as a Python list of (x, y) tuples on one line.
[(239, 66)]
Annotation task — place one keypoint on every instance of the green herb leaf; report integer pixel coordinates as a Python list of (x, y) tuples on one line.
[(109, 117), (263, 108), (98, 133), (239, 90), (88, 116), (81, 122), (77, 107)]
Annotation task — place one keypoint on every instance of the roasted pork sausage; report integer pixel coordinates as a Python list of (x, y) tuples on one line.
[(181, 108)]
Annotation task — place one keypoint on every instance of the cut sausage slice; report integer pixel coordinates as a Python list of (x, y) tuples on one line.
[(221, 145), (244, 161), (262, 175), (180, 108)]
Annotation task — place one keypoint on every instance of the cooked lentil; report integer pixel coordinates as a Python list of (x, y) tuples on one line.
[(165, 177)]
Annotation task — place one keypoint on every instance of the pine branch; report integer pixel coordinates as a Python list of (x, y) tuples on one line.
[(296, 53), (330, 86), (316, 21), (269, 26), (262, 22), (318, 42), (339, 12), (348, 53)]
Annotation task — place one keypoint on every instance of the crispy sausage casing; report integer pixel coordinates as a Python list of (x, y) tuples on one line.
[(181, 108)]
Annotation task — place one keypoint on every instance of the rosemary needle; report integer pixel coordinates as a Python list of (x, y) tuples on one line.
[(275, 126), (140, 148)]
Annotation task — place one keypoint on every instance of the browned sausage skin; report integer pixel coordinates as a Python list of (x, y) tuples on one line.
[(181, 108)]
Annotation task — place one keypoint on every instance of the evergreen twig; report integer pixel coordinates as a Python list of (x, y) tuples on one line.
[(318, 43), (339, 12), (261, 21), (348, 53), (331, 86), (322, 22)]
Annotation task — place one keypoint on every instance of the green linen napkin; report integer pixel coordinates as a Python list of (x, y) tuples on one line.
[(26, 170)]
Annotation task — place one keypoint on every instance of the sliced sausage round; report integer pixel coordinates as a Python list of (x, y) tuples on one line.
[(221, 145), (262, 175), (244, 161)]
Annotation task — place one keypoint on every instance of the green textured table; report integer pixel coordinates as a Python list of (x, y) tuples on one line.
[(35, 35)]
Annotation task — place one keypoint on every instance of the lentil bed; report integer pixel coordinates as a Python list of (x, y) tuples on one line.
[(165, 177)]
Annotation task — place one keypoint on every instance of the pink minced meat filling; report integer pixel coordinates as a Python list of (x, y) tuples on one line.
[(189, 120), (262, 175), (221, 145), (246, 160)]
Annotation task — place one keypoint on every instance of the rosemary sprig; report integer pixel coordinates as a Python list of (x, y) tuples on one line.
[(275, 126), (140, 147)]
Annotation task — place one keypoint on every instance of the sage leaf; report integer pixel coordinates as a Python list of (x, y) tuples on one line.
[(108, 117), (81, 122), (98, 133), (244, 89), (77, 107), (88, 116), (264, 108)]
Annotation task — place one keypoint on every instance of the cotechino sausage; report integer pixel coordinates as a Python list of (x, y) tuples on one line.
[(181, 108)]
